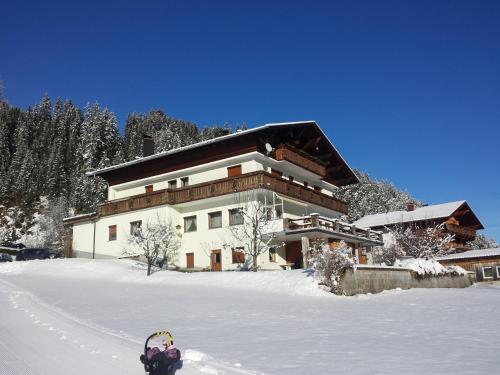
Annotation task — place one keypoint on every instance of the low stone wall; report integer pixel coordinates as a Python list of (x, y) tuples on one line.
[(375, 279)]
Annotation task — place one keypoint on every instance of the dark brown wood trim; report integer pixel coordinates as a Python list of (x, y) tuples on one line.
[(245, 182)]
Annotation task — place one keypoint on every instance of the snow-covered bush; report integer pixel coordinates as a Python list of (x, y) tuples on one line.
[(386, 255), (430, 267), (330, 264)]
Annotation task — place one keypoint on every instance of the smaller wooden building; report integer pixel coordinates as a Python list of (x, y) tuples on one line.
[(484, 262), (457, 218)]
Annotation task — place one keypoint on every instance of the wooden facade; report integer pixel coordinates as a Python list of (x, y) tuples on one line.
[(303, 144), (478, 266)]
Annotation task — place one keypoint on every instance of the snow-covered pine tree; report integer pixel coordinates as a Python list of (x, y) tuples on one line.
[(57, 179), (8, 122), (99, 148), (482, 242), (372, 196)]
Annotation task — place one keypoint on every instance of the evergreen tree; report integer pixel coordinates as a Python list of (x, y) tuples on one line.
[(370, 196), (99, 148), (8, 122)]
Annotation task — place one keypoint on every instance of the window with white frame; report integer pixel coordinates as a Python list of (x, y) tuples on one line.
[(488, 272)]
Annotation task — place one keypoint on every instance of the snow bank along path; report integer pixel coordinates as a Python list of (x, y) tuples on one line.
[(77, 316)]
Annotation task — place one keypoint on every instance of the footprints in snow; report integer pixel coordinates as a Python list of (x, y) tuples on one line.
[(13, 298)]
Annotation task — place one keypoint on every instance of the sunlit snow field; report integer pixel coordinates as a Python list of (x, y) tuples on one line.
[(75, 316)]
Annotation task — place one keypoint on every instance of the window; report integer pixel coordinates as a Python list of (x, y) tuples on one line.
[(112, 232), (272, 255), (149, 189), (190, 224), (235, 216), (498, 272), (215, 220), (279, 211), (234, 171), (290, 178), (306, 184), (135, 227), (184, 181), (172, 184), (488, 272), (317, 188), (238, 254)]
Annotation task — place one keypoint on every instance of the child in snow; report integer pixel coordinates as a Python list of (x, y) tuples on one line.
[(171, 352)]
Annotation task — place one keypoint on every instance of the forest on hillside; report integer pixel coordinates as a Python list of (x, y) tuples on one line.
[(46, 149)]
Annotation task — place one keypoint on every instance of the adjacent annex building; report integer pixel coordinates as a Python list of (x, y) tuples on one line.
[(292, 168), (457, 218)]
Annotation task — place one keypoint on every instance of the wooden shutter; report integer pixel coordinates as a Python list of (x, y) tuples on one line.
[(190, 260), (234, 171), (112, 232)]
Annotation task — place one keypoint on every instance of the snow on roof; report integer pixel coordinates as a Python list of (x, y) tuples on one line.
[(81, 216), (473, 254), (214, 140), (422, 213), (202, 143)]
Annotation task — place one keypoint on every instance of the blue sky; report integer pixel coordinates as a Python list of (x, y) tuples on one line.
[(409, 91)]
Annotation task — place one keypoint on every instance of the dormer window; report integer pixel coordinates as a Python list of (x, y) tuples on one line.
[(184, 181), (172, 184)]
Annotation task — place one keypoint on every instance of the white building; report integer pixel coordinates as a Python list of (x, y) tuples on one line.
[(292, 168)]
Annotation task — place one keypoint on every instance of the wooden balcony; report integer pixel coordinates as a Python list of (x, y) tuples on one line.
[(245, 182), (302, 160), (465, 233), (335, 227)]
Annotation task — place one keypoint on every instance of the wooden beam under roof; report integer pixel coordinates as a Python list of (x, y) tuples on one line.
[(311, 143), (335, 168), (342, 181)]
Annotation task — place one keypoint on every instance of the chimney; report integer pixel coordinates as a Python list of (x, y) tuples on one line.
[(410, 206), (148, 145)]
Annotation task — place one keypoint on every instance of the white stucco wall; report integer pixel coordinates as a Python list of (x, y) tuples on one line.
[(251, 162), (196, 175), (201, 242)]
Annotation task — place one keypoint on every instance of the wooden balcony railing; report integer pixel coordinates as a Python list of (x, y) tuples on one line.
[(336, 227), (288, 154), (461, 232), (220, 187)]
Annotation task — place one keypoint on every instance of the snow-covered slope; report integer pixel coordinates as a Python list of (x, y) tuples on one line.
[(77, 316)]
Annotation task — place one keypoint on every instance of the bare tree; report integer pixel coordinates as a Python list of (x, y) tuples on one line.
[(253, 225), (418, 242), (157, 241), (330, 264)]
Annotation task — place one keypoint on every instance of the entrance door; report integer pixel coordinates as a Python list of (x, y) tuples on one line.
[(294, 257), (190, 260), (216, 260)]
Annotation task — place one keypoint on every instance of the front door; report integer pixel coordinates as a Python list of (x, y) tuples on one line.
[(216, 260), (190, 260), (294, 257)]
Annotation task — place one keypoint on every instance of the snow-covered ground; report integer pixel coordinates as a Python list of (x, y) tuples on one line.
[(76, 316)]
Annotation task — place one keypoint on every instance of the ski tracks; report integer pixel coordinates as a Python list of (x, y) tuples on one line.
[(36, 338)]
